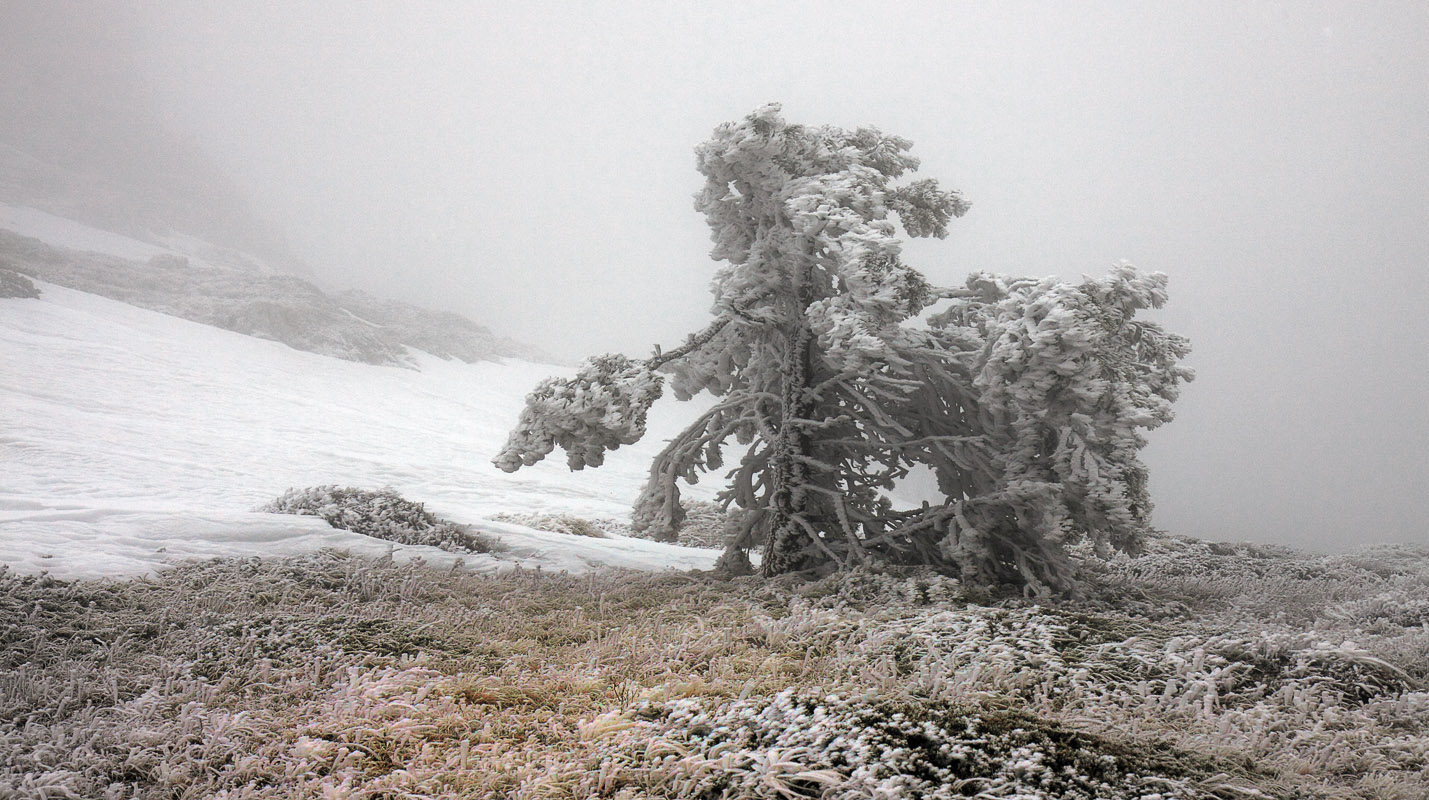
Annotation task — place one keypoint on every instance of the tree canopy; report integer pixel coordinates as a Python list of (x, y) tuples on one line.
[(839, 369)]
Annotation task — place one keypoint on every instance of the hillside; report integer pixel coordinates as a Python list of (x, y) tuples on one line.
[(81, 138), (133, 437), (240, 296)]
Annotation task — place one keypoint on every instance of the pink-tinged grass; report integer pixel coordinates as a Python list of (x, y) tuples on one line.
[(1195, 671)]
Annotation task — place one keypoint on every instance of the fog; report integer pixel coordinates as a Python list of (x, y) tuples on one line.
[(531, 165)]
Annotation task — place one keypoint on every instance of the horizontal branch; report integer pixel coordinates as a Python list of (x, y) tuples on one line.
[(693, 343)]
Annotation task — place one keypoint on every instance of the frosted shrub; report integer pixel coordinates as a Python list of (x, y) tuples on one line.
[(802, 745), (13, 284), (702, 524), (708, 525), (555, 523), (382, 514)]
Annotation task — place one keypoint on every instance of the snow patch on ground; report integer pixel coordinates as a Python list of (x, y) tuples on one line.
[(130, 438), (63, 232)]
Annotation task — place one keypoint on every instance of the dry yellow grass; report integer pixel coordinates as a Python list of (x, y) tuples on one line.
[(329, 676)]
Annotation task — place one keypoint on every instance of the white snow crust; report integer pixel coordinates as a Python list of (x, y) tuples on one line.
[(63, 232), (130, 439)]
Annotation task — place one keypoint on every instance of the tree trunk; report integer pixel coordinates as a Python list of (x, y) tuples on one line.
[(787, 547)]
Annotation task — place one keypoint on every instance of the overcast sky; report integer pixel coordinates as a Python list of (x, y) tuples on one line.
[(531, 165)]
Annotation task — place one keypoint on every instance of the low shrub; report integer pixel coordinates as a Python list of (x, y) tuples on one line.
[(706, 525), (13, 284), (555, 523), (382, 514), (796, 745)]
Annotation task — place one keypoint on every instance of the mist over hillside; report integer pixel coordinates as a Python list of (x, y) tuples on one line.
[(350, 325), (82, 140)]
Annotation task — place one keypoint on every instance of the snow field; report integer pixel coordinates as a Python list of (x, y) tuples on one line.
[(130, 439)]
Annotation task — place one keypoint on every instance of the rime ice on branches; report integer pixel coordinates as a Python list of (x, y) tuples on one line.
[(1025, 398)]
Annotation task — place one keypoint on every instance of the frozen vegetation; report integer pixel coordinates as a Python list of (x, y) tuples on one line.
[(1194, 671), (381, 514), (13, 284)]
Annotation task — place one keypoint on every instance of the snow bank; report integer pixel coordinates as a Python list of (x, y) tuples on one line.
[(129, 438), (63, 232)]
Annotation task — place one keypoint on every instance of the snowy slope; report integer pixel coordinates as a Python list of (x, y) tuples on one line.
[(129, 438), (63, 232)]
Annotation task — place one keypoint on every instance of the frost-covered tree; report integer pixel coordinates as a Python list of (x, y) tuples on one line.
[(1024, 398)]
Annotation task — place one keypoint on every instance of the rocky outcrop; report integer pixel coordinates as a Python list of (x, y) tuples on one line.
[(441, 333), (283, 308), (13, 284)]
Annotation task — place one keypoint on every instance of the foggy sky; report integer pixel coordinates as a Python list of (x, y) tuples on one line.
[(531, 165)]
